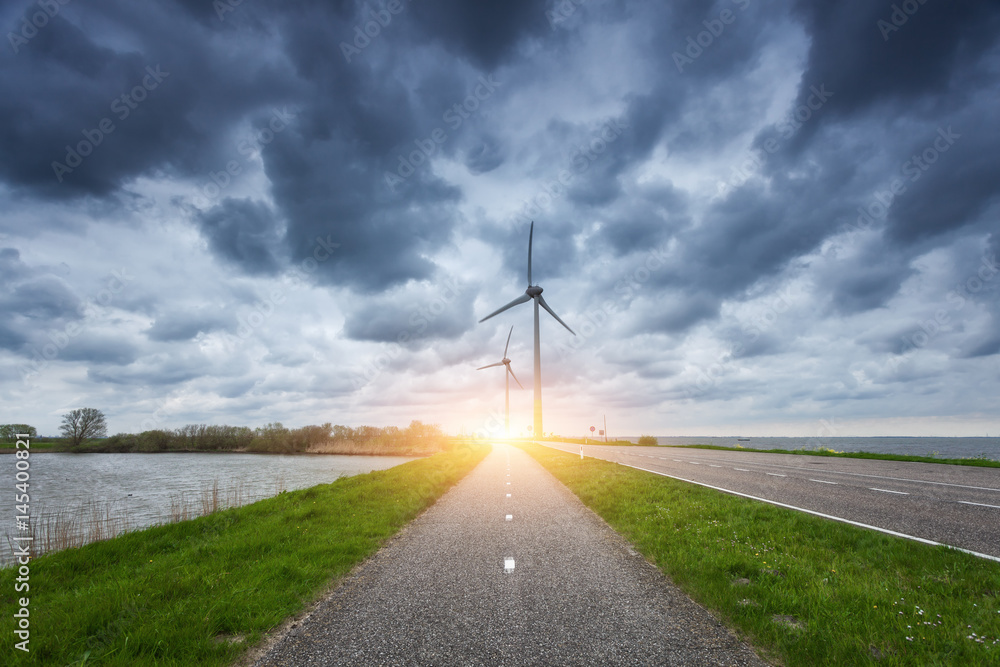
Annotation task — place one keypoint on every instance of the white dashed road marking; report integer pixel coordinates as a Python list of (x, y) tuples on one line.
[(899, 493), (966, 502), (822, 481)]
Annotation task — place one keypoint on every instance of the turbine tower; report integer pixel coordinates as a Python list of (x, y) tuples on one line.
[(507, 376), (534, 293)]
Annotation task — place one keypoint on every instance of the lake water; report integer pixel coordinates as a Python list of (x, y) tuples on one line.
[(954, 448), (146, 489)]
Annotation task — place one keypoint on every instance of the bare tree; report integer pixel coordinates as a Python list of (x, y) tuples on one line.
[(83, 423)]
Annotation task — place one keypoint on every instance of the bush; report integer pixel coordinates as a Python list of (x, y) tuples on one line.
[(648, 440)]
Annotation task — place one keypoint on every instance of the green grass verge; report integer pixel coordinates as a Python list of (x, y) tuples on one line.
[(806, 591), (201, 592), (979, 461), (45, 445)]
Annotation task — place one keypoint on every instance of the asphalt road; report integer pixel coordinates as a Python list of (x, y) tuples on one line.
[(508, 568), (954, 505)]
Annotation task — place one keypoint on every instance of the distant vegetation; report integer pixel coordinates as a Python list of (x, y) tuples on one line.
[(648, 440), (8, 432), (418, 439)]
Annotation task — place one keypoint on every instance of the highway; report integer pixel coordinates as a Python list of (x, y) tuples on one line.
[(954, 505)]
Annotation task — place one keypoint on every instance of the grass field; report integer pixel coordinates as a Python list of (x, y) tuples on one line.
[(804, 590), (201, 592)]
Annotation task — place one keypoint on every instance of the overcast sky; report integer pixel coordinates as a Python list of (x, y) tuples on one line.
[(763, 217)]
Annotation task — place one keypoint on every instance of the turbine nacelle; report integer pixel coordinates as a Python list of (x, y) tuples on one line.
[(533, 291)]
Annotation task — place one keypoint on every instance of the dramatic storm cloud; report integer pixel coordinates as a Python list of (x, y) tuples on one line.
[(755, 214)]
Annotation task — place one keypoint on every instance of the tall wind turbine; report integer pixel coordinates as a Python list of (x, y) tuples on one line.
[(534, 293), (507, 376)]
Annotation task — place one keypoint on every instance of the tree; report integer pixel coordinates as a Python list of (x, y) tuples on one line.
[(82, 423), (8, 432)]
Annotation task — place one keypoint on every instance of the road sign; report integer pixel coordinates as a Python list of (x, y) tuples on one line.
[(601, 433), (592, 429)]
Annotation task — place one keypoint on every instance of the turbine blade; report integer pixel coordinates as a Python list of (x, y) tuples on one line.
[(514, 376), (519, 300), (499, 363), (508, 342), (541, 302), (531, 235)]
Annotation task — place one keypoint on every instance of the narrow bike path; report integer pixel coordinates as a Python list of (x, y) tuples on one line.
[(508, 568)]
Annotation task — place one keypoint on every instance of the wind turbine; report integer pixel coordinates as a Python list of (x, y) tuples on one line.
[(507, 376), (533, 293)]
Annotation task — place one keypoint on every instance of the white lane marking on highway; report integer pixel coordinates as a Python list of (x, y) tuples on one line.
[(712, 465), (510, 517), (694, 463), (825, 516), (678, 460), (775, 474), (508, 483), (508, 495), (861, 474), (898, 493), (966, 502), (741, 469), (822, 481), (508, 564)]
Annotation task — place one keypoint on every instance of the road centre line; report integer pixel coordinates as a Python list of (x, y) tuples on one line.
[(899, 493), (822, 481), (860, 474), (966, 502), (820, 514), (775, 474), (742, 469)]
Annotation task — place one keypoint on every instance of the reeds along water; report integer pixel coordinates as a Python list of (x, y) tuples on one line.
[(95, 521)]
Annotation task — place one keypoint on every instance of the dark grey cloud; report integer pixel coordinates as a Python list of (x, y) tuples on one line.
[(97, 350), (485, 32), (44, 298), (484, 157), (416, 314), (936, 48), (382, 173), (182, 325), (245, 233), (676, 312)]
